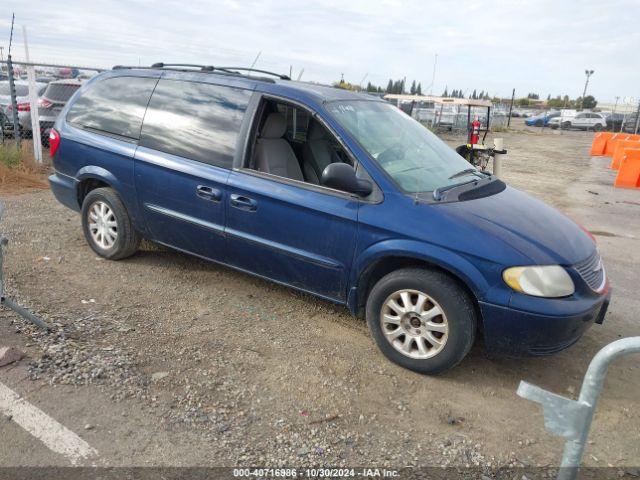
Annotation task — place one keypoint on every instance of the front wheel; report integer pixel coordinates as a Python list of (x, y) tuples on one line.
[(107, 225), (597, 127), (421, 319)]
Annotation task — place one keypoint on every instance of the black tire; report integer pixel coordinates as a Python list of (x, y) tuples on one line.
[(566, 125), (127, 239), (539, 123), (597, 127), (453, 300)]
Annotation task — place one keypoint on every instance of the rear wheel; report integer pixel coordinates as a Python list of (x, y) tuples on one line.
[(566, 125), (597, 127), (107, 225), (421, 319)]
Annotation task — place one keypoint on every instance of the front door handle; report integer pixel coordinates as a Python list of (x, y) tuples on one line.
[(243, 203), (209, 193)]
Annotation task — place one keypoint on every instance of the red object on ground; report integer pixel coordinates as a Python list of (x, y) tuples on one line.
[(475, 132)]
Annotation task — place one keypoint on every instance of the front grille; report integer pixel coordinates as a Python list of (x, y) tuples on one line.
[(592, 271)]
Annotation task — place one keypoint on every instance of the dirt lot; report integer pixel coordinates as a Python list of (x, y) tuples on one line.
[(164, 359)]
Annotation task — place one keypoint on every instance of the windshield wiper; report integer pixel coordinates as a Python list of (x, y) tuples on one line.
[(438, 192), (465, 172)]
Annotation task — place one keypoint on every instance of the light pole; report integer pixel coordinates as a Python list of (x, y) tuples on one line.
[(588, 73)]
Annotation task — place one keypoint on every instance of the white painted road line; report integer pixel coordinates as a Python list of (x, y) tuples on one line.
[(53, 434)]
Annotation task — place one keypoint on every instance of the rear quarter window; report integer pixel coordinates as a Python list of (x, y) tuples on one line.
[(194, 120), (60, 92), (114, 105)]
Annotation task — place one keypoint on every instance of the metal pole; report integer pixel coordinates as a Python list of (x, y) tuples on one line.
[(637, 118), (572, 419), (14, 103), (513, 95), (33, 102), (588, 73)]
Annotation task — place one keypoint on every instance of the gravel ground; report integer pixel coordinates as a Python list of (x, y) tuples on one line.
[(225, 369)]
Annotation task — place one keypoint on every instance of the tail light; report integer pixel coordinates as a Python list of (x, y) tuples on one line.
[(44, 103), (22, 107), (54, 142)]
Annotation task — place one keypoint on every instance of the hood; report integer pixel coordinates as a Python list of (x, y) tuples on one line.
[(536, 230)]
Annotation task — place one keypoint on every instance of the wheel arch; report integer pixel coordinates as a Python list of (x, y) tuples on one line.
[(92, 177), (372, 265)]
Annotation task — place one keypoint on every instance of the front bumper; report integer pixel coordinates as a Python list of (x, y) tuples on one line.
[(513, 332)]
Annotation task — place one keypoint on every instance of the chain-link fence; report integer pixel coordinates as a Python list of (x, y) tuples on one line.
[(32, 96)]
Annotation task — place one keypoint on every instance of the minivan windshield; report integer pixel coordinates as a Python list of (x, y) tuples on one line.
[(414, 158)]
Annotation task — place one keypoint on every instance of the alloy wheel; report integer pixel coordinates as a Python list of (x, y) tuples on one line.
[(414, 324), (103, 225)]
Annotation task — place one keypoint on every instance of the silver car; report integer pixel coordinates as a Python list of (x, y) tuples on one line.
[(22, 99)]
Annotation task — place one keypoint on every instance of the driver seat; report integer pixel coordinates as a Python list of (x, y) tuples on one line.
[(317, 152)]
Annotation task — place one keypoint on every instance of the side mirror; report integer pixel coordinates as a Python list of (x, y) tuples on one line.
[(342, 176)]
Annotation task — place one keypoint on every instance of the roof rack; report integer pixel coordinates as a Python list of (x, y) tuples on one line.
[(236, 71), (266, 72)]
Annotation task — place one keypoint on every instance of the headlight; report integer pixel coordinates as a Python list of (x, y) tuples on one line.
[(544, 281)]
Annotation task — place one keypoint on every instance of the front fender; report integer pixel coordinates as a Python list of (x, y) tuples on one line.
[(453, 262)]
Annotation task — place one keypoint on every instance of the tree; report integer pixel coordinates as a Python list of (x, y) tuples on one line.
[(481, 95), (474, 95), (419, 89), (548, 97), (390, 86), (413, 88), (445, 93), (533, 96), (588, 102)]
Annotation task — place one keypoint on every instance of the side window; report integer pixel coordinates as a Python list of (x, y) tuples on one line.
[(114, 105), (290, 143), (198, 121)]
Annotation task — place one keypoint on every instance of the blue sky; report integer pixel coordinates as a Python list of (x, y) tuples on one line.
[(540, 46)]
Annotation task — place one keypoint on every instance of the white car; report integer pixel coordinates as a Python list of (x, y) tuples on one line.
[(586, 121)]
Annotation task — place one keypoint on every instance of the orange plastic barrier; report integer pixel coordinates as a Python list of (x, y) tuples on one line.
[(600, 140), (619, 149), (629, 173), (611, 143)]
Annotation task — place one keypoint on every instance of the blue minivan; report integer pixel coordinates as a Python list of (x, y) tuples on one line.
[(331, 192)]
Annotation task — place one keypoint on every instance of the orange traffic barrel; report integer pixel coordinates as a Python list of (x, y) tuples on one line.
[(619, 149), (629, 173), (600, 140)]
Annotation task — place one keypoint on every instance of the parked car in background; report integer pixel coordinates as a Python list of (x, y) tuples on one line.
[(615, 121), (22, 100), (54, 98), (541, 120), (563, 120), (354, 202), (629, 125), (587, 121)]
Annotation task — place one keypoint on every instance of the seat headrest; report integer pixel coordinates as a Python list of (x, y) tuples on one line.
[(274, 126), (316, 131)]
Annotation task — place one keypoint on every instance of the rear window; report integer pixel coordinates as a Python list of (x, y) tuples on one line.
[(198, 121), (60, 92), (21, 90), (114, 105)]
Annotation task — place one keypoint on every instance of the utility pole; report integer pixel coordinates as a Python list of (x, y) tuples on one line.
[(635, 130), (513, 96), (433, 76), (1, 59), (588, 73)]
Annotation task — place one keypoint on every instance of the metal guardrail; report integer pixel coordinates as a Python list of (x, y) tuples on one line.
[(7, 301), (572, 419)]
